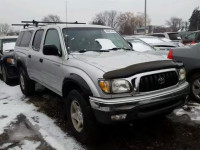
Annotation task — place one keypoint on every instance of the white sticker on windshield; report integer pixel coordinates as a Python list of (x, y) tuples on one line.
[(110, 31)]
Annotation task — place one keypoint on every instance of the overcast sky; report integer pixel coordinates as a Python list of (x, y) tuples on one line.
[(13, 11)]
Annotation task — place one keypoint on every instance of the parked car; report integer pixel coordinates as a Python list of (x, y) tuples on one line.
[(140, 46), (189, 55), (156, 42), (192, 38), (99, 76), (169, 35), (8, 69)]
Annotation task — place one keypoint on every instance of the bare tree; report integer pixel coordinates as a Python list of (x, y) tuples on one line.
[(140, 20), (175, 23), (127, 23), (108, 18), (51, 18), (4, 28)]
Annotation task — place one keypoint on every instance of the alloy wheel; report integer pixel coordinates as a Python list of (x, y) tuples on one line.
[(22, 81), (4, 74), (76, 115), (196, 88)]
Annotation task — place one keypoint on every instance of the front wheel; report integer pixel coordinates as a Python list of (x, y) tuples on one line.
[(27, 85), (4, 75), (79, 114), (195, 87)]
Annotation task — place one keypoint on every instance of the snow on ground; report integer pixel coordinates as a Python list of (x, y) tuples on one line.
[(13, 103), (193, 112)]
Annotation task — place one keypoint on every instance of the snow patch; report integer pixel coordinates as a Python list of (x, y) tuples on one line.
[(16, 105)]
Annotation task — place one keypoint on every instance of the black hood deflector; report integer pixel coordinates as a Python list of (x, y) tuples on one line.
[(141, 68)]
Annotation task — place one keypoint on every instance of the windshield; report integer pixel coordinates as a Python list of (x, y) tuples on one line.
[(8, 45), (151, 40), (140, 46), (93, 39)]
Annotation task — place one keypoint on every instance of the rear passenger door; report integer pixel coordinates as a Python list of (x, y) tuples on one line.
[(52, 65), (34, 55)]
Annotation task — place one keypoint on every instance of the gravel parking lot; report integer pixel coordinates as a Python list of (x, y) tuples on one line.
[(36, 122)]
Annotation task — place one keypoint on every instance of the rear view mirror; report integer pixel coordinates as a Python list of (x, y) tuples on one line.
[(51, 50)]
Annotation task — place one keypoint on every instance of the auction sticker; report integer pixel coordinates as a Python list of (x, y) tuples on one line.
[(109, 31)]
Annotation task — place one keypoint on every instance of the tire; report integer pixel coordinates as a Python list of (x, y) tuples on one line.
[(195, 87), (87, 130), (4, 75), (26, 84)]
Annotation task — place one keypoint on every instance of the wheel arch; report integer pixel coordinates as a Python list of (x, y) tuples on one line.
[(21, 64), (192, 72), (75, 82)]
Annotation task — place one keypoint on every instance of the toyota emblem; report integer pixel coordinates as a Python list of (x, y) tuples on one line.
[(161, 80)]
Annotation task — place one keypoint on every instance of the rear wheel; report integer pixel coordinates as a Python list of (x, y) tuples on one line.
[(80, 118), (195, 87), (27, 85)]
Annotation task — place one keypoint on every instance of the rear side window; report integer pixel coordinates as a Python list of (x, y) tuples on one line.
[(37, 40), (26, 38), (19, 39)]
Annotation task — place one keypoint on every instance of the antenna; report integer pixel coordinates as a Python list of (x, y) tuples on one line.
[(66, 10)]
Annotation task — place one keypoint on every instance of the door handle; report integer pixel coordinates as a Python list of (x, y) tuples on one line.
[(29, 56), (41, 60)]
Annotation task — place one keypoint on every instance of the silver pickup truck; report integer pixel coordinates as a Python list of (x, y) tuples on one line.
[(98, 74)]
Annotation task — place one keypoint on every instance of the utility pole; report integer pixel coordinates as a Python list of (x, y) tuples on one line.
[(66, 10), (145, 14)]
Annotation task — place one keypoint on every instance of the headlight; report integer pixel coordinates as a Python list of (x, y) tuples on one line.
[(10, 61), (182, 74), (115, 86), (120, 86)]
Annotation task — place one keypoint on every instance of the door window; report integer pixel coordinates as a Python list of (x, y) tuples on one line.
[(37, 40), (191, 36), (198, 37), (52, 38)]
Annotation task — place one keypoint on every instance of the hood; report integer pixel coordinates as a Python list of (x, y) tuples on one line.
[(108, 61), (8, 54), (160, 53)]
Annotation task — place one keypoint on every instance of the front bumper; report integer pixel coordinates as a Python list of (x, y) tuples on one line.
[(139, 106)]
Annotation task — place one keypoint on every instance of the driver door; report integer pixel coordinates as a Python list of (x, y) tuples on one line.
[(52, 65)]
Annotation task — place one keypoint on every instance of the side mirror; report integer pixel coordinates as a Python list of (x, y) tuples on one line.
[(131, 45), (51, 50)]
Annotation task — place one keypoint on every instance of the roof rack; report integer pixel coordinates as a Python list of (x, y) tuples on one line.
[(36, 23), (27, 25)]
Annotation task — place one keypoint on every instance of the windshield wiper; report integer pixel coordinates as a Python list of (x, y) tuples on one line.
[(118, 48), (83, 51)]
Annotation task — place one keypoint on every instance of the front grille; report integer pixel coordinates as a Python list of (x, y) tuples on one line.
[(158, 81)]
